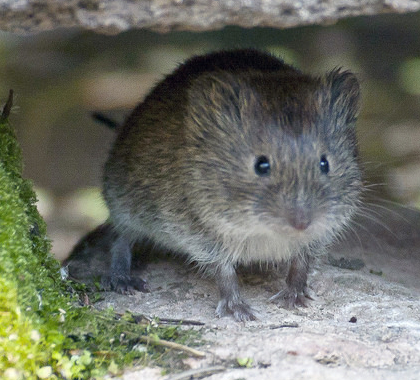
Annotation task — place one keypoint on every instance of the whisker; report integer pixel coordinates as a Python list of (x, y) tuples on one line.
[(373, 185), (344, 236), (392, 211), (374, 219), (372, 235)]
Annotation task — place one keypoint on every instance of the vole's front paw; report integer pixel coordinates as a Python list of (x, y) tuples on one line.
[(291, 298), (124, 284), (239, 309)]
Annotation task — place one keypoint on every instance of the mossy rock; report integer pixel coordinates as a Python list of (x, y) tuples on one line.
[(44, 333), (30, 284)]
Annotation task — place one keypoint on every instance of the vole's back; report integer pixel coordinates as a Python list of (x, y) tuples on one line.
[(172, 91)]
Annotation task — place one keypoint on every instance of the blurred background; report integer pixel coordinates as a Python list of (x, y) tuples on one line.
[(60, 77)]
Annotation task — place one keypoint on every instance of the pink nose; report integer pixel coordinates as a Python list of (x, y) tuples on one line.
[(299, 219)]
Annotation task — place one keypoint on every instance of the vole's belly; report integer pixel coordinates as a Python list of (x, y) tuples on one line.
[(230, 249), (259, 248), (214, 247)]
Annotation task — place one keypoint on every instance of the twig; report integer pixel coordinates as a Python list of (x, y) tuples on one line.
[(176, 346), (291, 325), (197, 373), (165, 321), (184, 322)]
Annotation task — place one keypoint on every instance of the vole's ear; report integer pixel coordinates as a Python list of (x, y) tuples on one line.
[(215, 98), (345, 94)]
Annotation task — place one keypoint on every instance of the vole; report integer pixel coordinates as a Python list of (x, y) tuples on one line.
[(236, 158)]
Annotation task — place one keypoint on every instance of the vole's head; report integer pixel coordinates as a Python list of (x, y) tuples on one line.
[(273, 153)]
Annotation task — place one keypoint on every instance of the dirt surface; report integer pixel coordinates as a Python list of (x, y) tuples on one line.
[(362, 324)]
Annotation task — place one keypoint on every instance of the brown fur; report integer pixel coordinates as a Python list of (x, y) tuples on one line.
[(181, 173)]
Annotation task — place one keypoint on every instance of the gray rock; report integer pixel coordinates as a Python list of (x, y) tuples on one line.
[(113, 16)]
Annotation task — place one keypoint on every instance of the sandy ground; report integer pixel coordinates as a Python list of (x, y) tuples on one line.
[(363, 324)]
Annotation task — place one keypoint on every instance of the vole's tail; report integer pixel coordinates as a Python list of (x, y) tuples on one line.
[(101, 118)]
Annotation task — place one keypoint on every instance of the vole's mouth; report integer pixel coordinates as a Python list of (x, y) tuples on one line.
[(298, 233), (299, 227)]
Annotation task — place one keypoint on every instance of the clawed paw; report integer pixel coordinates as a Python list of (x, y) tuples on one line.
[(124, 284), (291, 298), (239, 309)]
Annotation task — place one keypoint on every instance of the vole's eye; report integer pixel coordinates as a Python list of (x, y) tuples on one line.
[(262, 166), (324, 166)]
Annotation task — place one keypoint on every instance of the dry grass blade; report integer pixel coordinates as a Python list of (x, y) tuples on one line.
[(176, 346)]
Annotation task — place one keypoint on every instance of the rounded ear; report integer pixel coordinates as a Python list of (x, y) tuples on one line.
[(345, 94), (214, 98)]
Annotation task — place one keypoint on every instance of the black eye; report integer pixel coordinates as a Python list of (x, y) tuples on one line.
[(324, 165), (262, 166)]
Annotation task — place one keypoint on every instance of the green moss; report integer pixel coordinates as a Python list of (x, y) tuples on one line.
[(43, 333), (29, 275)]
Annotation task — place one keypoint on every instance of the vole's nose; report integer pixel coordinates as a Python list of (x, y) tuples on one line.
[(299, 218)]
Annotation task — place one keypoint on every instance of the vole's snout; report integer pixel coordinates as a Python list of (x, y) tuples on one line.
[(299, 218)]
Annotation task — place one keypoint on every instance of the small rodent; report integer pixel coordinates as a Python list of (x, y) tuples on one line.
[(236, 158)]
